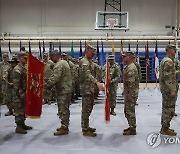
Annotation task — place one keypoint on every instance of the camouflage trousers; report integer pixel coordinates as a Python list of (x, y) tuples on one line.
[(87, 106), (112, 96), (168, 109), (19, 106), (63, 108), (9, 98), (96, 91), (129, 110)]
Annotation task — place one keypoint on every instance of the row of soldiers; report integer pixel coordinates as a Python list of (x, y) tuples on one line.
[(59, 74)]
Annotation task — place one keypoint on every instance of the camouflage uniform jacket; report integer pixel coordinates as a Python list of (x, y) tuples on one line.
[(8, 75), (48, 69), (167, 75), (131, 80), (139, 70), (61, 78), (19, 82), (87, 76)]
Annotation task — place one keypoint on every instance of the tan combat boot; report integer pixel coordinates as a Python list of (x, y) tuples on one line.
[(89, 133), (167, 131), (126, 129), (61, 131), (130, 131), (20, 130), (92, 129), (9, 113), (25, 127), (112, 112)]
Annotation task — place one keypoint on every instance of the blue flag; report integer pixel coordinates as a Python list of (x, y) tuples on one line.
[(102, 59), (40, 54), (44, 50), (29, 47), (80, 50), (20, 46), (0, 51), (9, 47), (129, 46), (59, 48), (51, 46)]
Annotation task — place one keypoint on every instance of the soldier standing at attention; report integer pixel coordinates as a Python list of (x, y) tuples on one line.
[(8, 78), (62, 80), (139, 73), (48, 93), (131, 88), (4, 66), (19, 93), (115, 74), (168, 87), (88, 81)]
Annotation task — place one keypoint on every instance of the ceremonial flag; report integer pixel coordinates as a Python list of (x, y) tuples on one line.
[(9, 47), (72, 49), (121, 53), (107, 79), (20, 46), (44, 49), (34, 93), (40, 54), (98, 56), (129, 46), (137, 53), (29, 47), (80, 50), (102, 60), (51, 46), (147, 62), (113, 52), (0, 51), (156, 60), (59, 48)]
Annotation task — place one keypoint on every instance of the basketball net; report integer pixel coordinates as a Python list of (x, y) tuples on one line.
[(111, 22)]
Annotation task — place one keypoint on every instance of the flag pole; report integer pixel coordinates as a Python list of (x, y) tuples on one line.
[(146, 75)]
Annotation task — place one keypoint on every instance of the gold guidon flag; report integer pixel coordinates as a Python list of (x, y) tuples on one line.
[(34, 93)]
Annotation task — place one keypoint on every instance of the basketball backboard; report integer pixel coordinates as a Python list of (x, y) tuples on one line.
[(111, 20)]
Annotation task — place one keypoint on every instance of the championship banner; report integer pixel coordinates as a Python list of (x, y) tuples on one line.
[(107, 108), (34, 93)]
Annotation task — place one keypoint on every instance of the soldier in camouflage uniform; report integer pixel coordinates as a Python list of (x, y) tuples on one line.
[(131, 88), (115, 74), (168, 87), (8, 76), (4, 66), (139, 73), (19, 93), (48, 71), (72, 67), (62, 80), (88, 81), (98, 75)]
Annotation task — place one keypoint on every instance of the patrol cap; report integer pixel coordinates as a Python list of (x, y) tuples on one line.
[(90, 48), (111, 57), (54, 53), (14, 59), (65, 53), (128, 53), (22, 54), (171, 46), (5, 55)]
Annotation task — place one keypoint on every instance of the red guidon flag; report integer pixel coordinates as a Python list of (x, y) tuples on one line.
[(107, 109), (34, 93)]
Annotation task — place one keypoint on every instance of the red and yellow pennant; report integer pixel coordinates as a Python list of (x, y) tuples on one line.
[(34, 93)]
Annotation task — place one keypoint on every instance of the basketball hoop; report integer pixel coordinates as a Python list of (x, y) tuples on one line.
[(111, 22)]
